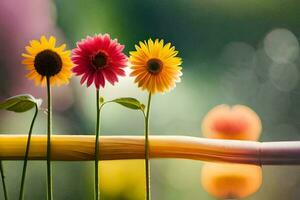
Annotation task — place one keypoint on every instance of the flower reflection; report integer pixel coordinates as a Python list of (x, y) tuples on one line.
[(231, 181), (122, 178)]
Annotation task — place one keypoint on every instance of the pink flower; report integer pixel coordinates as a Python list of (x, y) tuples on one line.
[(99, 59)]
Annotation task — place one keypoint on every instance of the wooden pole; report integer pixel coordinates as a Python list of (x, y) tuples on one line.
[(81, 148)]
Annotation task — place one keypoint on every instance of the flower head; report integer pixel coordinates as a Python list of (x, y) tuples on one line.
[(155, 66), (231, 181), (98, 59), (43, 60), (237, 123)]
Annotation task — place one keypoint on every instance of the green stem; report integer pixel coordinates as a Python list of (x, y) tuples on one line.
[(49, 132), (147, 162), (3, 181), (97, 191), (21, 194)]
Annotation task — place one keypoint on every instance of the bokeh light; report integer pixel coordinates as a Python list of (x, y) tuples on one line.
[(285, 77), (281, 45)]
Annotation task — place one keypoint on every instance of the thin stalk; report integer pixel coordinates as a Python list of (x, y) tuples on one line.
[(147, 162), (97, 191), (21, 194), (3, 181), (49, 132)]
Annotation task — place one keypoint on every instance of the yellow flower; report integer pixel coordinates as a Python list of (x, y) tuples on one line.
[(43, 60), (155, 66)]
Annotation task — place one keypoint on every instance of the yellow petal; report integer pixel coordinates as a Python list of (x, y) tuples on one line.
[(44, 41), (52, 41)]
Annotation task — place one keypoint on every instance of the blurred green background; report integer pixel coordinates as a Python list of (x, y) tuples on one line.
[(234, 52)]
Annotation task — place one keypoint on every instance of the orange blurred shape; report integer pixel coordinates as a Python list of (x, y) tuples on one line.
[(231, 181), (237, 123)]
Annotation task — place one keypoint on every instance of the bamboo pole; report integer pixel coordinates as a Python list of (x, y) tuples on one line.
[(81, 148)]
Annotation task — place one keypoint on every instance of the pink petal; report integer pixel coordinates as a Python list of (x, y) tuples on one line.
[(90, 79), (99, 80), (110, 76), (119, 71), (106, 41), (83, 78)]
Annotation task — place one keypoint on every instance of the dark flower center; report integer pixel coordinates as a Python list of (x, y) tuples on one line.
[(154, 66), (99, 60), (47, 63)]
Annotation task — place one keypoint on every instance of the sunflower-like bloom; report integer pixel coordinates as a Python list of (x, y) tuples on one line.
[(98, 59), (43, 60), (155, 66)]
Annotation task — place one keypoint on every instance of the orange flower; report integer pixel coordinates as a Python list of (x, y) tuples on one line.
[(155, 66), (238, 123)]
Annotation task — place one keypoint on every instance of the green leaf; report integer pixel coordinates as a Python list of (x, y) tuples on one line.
[(20, 103), (129, 102)]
